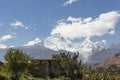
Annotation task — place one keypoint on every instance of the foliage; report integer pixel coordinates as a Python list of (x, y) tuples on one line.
[(3, 76), (35, 69), (70, 66), (71, 69), (17, 62)]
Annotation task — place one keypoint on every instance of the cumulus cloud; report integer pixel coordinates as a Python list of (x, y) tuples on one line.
[(85, 48), (17, 24), (73, 28), (87, 27), (3, 39), (34, 42), (6, 37), (3, 46), (89, 47), (69, 2)]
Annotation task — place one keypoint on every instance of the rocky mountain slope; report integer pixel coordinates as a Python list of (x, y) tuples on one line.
[(112, 62)]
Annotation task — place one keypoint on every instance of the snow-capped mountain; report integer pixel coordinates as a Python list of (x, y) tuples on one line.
[(56, 43), (95, 46), (89, 48), (37, 42), (86, 48), (89, 51)]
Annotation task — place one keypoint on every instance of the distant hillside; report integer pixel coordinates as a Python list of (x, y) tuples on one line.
[(37, 52), (101, 56), (112, 62)]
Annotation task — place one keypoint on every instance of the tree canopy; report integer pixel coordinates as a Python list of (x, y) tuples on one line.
[(17, 62), (69, 65)]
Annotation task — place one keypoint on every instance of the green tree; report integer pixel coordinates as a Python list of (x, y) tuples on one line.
[(70, 66), (17, 62)]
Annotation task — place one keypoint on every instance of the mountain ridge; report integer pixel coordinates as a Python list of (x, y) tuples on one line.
[(114, 61), (90, 52)]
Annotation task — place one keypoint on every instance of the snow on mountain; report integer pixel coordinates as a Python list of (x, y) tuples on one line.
[(90, 48), (56, 43), (85, 48), (37, 41), (90, 52)]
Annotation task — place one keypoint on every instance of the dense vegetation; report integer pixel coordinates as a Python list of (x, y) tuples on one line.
[(19, 66), (16, 65), (70, 67)]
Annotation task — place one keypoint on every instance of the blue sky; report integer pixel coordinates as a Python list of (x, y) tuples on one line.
[(38, 18)]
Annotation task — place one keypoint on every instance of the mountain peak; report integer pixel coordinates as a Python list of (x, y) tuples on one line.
[(57, 42), (37, 41)]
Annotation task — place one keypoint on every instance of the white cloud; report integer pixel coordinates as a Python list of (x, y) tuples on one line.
[(3, 39), (72, 28), (6, 37), (85, 48), (86, 27), (69, 2), (89, 47), (3, 46), (34, 42), (17, 24)]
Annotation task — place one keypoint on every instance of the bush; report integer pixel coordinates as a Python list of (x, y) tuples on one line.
[(69, 65), (4, 77), (17, 63)]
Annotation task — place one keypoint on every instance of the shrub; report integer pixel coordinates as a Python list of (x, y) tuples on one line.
[(3, 76), (17, 63)]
